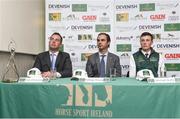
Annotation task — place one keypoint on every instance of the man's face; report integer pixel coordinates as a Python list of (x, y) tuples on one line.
[(55, 42), (102, 42), (146, 42)]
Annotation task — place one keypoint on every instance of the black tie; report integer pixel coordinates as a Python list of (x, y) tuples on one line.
[(146, 55), (102, 67)]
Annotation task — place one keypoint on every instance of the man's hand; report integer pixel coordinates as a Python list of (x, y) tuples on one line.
[(46, 74)]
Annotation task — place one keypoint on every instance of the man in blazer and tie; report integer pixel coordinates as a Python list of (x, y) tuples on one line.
[(100, 63), (54, 59)]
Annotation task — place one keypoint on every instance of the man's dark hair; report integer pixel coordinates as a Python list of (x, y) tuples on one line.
[(147, 34), (56, 33), (107, 36)]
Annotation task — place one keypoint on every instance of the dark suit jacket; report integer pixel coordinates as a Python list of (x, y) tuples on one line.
[(63, 63), (93, 63)]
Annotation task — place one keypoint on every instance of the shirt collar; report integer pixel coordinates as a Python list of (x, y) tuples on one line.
[(56, 53), (149, 52), (100, 54)]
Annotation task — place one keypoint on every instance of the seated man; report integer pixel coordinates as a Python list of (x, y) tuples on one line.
[(100, 63), (54, 59), (146, 57)]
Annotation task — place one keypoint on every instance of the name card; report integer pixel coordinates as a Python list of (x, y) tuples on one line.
[(162, 80)]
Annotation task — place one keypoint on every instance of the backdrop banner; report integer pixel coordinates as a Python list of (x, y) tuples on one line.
[(79, 22)]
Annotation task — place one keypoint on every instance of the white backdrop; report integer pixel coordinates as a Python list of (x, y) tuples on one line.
[(79, 22)]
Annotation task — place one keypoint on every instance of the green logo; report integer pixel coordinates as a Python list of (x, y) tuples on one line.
[(172, 66), (103, 28), (147, 7), (61, 48), (172, 27), (79, 7), (123, 48)]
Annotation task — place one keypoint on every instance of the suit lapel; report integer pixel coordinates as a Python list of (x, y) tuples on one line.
[(97, 62), (109, 63), (58, 59), (48, 60)]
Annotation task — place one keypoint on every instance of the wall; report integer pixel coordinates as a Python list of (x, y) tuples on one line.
[(22, 21)]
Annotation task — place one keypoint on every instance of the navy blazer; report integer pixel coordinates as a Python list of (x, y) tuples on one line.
[(63, 63)]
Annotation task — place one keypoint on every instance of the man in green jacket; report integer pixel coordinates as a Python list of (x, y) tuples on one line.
[(146, 57)]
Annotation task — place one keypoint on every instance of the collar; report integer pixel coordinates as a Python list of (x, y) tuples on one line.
[(103, 54), (146, 52), (56, 53)]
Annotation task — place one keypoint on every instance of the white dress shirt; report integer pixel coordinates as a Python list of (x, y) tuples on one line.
[(58, 75)]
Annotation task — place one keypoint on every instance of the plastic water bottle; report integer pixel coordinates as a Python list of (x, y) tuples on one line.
[(163, 72)]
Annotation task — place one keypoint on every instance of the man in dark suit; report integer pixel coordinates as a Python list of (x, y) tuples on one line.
[(100, 63), (54, 60)]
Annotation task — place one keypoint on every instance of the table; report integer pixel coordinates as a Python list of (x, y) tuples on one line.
[(123, 98)]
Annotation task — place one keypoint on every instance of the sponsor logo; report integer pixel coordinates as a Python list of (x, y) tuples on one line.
[(170, 37), (147, 7), (91, 47), (126, 38), (172, 56), (79, 28), (124, 67), (74, 59), (173, 17), (58, 6), (85, 37), (70, 17), (84, 56), (68, 38), (172, 66), (126, 7), (124, 56), (158, 17), (126, 28), (172, 27), (57, 28), (149, 27), (139, 17), (79, 7), (165, 6), (98, 7), (104, 17), (124, 17), (71, 47), (168, 46), (157, 36), (54, 16), (103, 28), (88, 96), (123, 47), (89, 18)]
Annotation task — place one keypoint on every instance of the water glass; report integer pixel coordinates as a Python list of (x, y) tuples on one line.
[(112, 73)]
